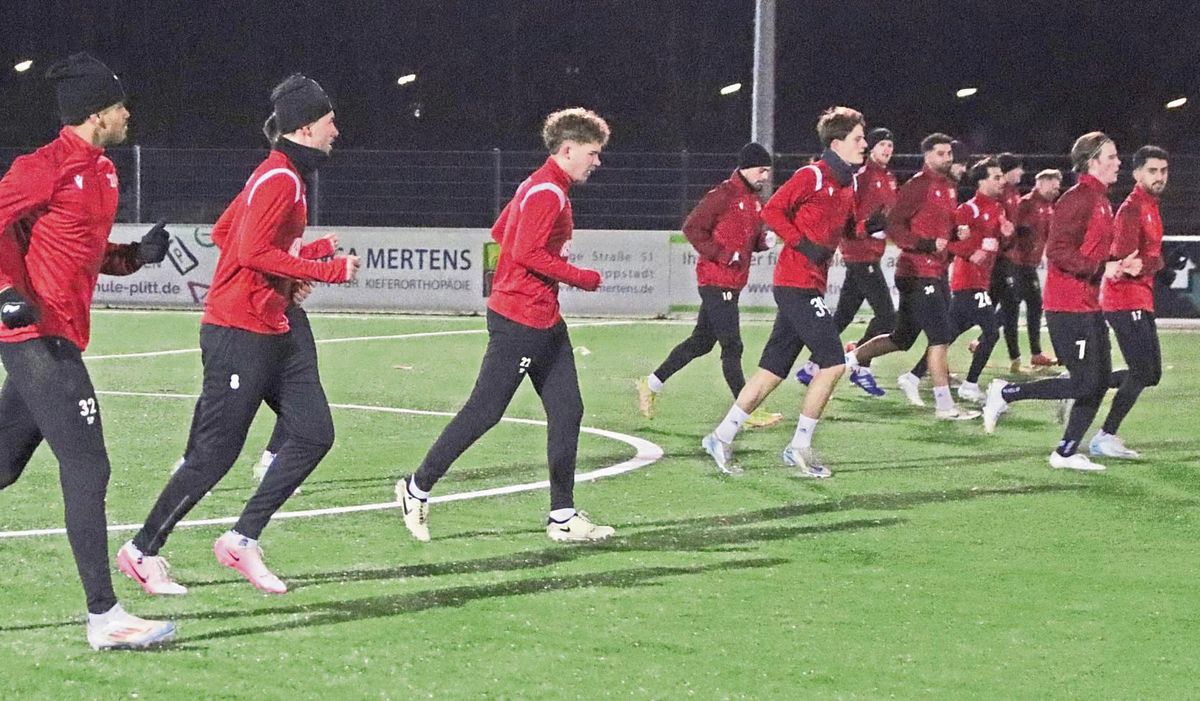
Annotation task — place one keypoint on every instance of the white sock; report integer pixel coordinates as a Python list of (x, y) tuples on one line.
[(656, 384), (563, 515), (942, 398), (99, 619), (414, 490), (243, 541), (730, 426), (805, 427), (968, 386), (852, 361), (812, 368), (1101, 434), (267, 458)]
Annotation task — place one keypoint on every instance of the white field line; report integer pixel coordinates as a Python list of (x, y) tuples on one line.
[(348, 339), (647, 453)]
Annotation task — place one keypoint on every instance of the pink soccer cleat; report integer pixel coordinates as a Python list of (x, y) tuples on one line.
[(152, 573), (244, 555)]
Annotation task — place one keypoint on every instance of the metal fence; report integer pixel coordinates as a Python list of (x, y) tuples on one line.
[(468, 188)]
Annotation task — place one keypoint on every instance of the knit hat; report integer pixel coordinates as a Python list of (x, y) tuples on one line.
[(959, 151), (879, 134), (298, 101), (1009, 161), (84, 86), (754, 155)]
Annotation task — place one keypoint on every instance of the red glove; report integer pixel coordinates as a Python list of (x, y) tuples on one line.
[(589, 280)]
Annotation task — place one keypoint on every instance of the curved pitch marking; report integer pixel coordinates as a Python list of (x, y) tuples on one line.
[(647, 453)]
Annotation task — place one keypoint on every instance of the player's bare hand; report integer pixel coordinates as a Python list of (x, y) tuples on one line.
[(352, 264), (300, 292), (940, 244)]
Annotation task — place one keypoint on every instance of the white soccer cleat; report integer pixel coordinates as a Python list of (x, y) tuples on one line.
[(416, 511), (118, 630), (994, 405), (807, 462), (722, 454), (577, 529), (1108, 445), (1077, 461), (970, 392), (908, 384), (956, 413), (153, 574)]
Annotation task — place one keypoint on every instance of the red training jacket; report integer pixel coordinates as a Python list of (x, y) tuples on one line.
[(1035, 213), (982, 216), (811, 206), (924, 211), (1081, 233), (874, 190), (534, 233), (259, 239), (57, 207), (726, 222), (1138, 228)]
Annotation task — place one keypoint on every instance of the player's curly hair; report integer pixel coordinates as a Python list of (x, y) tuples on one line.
[(576, 124)]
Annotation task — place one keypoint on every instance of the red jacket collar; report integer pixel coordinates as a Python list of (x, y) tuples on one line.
[(934, 175), (1092, 183), (985, 200), (76, 143), (1139, 193), (556, 173)]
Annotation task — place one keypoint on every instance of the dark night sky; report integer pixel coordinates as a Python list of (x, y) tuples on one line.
[(488, 71)]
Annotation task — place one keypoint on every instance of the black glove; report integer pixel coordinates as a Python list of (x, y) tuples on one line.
[(926, 246), (876, 222), (153, 246), (817, 254), (15, 310)]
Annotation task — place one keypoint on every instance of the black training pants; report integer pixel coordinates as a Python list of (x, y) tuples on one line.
[(865, 281), (514, 351), (718, 322), (243, 369), (49, 395)]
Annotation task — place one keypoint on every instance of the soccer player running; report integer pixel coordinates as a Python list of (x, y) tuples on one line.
[(809, 213), (862, 248), (249, 352), (57, 207), (726, 230), (922, 223), (1079, 256), (526, 333), (981, 229), (1128, 300), (1022, 259), (1000, 288)]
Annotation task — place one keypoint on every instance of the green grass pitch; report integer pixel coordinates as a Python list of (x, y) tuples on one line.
[(937, 563)]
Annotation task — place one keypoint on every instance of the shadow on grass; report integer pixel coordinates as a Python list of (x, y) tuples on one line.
[(389, 605)]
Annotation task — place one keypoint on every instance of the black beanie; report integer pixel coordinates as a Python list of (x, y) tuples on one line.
[(879, 134), (1009, 161), (754, 155), (298, 101), (959, 151), (84, 86)]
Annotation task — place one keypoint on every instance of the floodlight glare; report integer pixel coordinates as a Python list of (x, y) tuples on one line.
[(23, 66), (406, 79), (1177, 102), (731, 88), (966, 92)]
